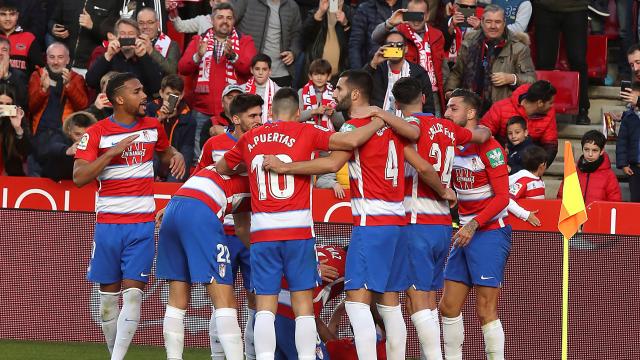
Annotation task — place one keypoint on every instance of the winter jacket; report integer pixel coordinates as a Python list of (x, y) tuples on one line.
[(542, 130), (143, 67), (563, 5), (18, 80), (628, 143), (367, 16), (74, 97), (51, 153), (82, 41), (252, 18), (514, 58), (25, 53), (381, 80), (515, 154), (33, 16), (211, 103), (599, 185)]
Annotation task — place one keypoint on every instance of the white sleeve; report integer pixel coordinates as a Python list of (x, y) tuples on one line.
[(193, 25), (523, 15), (518, 210)]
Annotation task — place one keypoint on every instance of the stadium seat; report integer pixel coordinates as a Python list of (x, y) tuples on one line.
[(596, 57), (566, 84)]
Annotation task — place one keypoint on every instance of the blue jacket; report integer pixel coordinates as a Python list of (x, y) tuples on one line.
[(510, 8), (367, 16), (628, 143)]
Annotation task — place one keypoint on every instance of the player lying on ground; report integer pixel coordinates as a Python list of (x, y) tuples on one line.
[(281, 223), (118, 152)]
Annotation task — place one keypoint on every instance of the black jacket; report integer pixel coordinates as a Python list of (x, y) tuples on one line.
[(82, 41), (14, 151), (18, 81), (144, 68), (515, 154), (381, 80), (50, 150), (628, 142)]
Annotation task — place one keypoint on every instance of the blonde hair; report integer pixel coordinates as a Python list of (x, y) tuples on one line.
[(80, 118)]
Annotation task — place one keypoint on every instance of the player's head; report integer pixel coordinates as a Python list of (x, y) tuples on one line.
[(463, 106), (261, 68), (319, 72), (408, 95), (246, 111), (538, 99), (517, 130), (353, 88), (285, 105), (76, 125), (127, 95), (593, 142), (534, 159)]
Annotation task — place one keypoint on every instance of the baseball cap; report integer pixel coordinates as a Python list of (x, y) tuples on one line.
[(232, 87)]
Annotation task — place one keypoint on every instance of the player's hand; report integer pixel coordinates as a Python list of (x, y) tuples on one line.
[(328, 273), (272, 163), (502, 79), (177, 165), (85, 20), (338, 191), (627, 170), (122, 145), (364, 112), (287, 57), (532, 219), (159, 216), (450, 196), (464, 235)]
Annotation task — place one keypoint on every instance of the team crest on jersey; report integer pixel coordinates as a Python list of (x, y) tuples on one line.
[(513, 189), (146, 136), (495, 158), (222, 270), (347, 127), (134, 154), (474, 164), (84, 141)]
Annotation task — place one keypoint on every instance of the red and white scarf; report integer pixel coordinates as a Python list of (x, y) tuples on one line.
[(389, 100), (204, 68), (424, 51), (456, 43), (162, 44), (269, 91), (310, 101)]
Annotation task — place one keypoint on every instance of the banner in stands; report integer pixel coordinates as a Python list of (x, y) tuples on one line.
[(44, 194), (45, 296)]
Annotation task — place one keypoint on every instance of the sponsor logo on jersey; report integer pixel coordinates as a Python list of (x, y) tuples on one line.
[(412, 119), (347, 127), (495, 158), (134, 154), (82, 144), (321, 128), (513, 189)]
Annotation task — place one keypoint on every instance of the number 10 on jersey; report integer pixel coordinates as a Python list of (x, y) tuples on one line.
[(270, 181)]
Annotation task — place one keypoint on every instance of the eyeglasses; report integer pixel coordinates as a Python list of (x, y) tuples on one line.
[(395, 44), (462, 6), (150, 23)]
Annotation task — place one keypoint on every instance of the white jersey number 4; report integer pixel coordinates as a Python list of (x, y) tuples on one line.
[(271, 181), (391, 169), (445, 164)]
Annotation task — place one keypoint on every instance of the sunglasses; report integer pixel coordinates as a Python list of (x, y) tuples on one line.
[(395, 44), (466, 6)]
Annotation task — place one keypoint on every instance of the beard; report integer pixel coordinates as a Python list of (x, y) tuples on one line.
[(344, 104)]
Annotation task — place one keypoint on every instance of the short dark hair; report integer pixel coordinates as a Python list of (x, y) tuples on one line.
[(243, 102), (223, 6), (493, 8), (532, 157), (9, 5), (407, 90), (261, 57), (117, 82), (594, 137), (633, 48), (173, 81), (541, 90), (468, 97), (359, 79), (517, 120), (285, 101), (320, 66), (80, 119), (394, 32)]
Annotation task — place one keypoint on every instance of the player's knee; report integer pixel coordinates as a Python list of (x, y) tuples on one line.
[(487, 311), (448, 309)]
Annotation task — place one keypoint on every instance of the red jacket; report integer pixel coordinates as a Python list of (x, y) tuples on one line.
[(600, 185), (543, 131), (211, 103), (74, 97), (436, 41)]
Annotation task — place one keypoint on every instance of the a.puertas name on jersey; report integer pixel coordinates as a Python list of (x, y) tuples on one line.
[(272, 137)]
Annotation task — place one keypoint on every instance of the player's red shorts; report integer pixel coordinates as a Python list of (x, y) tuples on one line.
[(345, 349)]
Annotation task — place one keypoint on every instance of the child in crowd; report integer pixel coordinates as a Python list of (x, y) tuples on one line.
[(527, 183), (519, 140), (597, 181), (317, 104), (177, 121), (261, 84), (101, 107)]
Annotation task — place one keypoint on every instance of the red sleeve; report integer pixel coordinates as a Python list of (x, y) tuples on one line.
[(517, 190), (493, 157), (319, 137), (492, 120), (234, 156), (463, 135), (206, 157), (550, 135), (89, 144), (245, 54), (186, 66), (613, 188), (76, 92), (163, 141)]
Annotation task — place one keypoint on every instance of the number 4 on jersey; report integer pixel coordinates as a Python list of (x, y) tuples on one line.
[(443, 165)]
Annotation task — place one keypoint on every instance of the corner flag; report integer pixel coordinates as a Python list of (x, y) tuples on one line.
[(572, 215)]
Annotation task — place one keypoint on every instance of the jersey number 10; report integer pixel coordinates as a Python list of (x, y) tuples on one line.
[(271, 181)]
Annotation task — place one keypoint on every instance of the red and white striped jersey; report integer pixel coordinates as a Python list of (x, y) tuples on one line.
[(281, 204), (525, 185), (438, 138), (224, 195), (476, 168), (322, 294), (125, 194), (212, 151), (376, 177)]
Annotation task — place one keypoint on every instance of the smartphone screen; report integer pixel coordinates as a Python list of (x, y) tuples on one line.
[(127, 41), (413, 16), (173, 101), (625, 85)]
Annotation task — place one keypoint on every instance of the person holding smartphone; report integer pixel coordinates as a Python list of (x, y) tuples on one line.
[(15, 144)]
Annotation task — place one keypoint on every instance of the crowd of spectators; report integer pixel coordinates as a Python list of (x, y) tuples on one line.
[(57, 56)]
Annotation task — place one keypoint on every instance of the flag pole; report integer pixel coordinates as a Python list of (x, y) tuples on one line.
[(565, 298)]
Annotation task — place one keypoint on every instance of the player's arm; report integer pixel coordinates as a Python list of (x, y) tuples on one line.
[(242, 224), (336, 318), (323, 165), (428, 174), (349, 140), (223, 168), (324, 332), (406, 129), (480, 134), (172, 158), (85, 171)]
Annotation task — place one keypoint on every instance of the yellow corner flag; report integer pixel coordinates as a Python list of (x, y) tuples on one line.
[(572, 214)]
